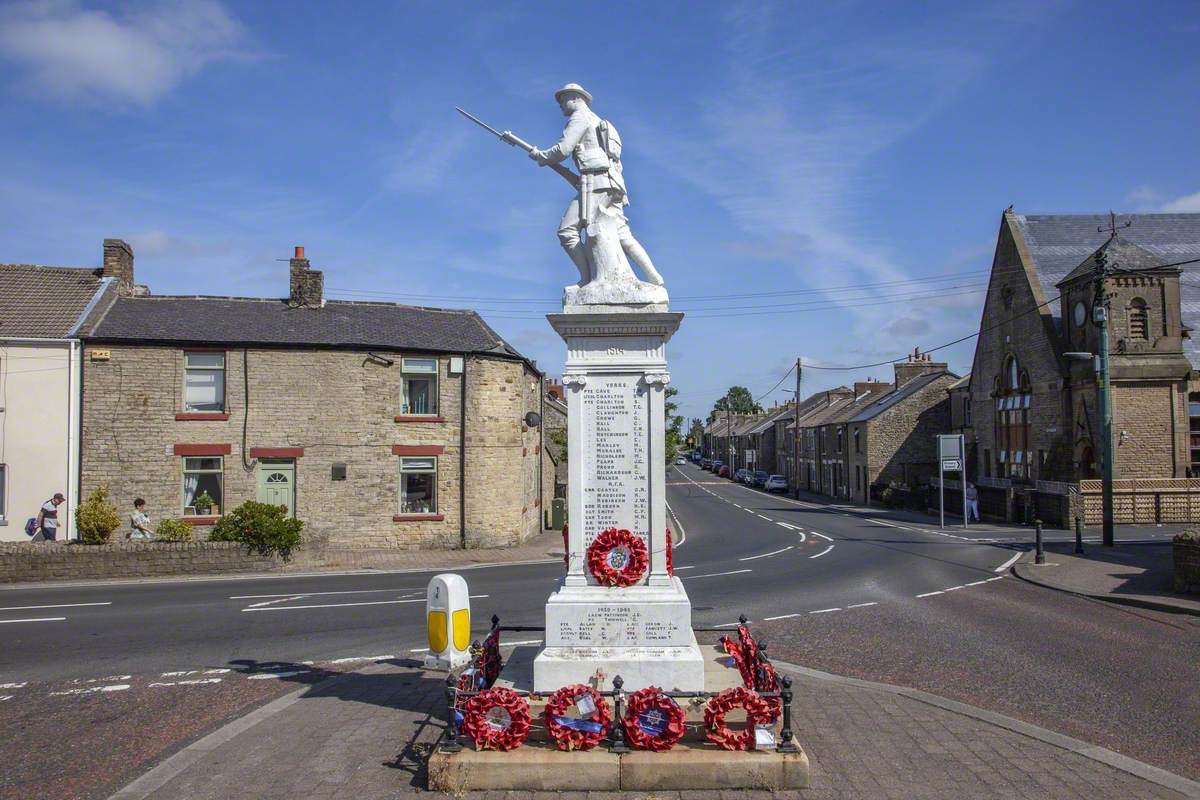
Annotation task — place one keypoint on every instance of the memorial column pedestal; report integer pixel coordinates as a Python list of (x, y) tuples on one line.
[(615, 381)]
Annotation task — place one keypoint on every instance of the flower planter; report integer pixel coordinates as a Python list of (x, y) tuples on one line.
[(1186, 552)]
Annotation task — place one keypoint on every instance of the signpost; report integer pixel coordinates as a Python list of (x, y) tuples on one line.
[(951, 457)]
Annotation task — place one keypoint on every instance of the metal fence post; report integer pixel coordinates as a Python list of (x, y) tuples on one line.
[(787, 743), (1039, 554), (1078, 535), (618, 724), (450, 736)]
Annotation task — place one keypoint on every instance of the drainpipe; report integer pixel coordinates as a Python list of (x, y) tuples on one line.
[(462, 456)]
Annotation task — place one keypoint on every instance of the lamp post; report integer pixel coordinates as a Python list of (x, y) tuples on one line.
[(1100, 363)]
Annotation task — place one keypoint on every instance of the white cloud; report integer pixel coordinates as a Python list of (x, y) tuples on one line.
[(1147, 200), (420, 161), (135, 56), (1181, 205)]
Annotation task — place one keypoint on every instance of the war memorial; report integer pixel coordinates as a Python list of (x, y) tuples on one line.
[(622, 695)]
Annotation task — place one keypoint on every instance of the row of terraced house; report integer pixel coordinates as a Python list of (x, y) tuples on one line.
[(1028, 410), (380, 425)]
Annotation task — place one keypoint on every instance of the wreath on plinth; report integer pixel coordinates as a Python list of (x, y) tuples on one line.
[(497, 719), (670, 554), (617, 558), (758, 712), (577, 733), (653, 721)]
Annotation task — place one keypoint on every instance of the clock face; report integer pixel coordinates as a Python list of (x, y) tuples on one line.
[(1080, 314)]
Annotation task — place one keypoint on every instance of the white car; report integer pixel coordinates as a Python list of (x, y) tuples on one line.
[(681, 461), (776, 483)]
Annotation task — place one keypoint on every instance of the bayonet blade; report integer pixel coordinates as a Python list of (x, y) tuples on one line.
[(480, 123)]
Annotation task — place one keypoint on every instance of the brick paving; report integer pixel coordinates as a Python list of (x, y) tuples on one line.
[(366, 736)]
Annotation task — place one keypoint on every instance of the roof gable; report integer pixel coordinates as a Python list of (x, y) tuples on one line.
[(45, 302)]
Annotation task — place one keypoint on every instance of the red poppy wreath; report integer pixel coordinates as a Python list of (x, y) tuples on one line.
[(720, 734), (577, 733), (617, 558), (497, 719), (653, 721)]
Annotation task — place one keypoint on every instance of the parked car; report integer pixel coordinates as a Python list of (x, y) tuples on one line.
[(723, 471), (715, 465), (706, 463), (776, 483), (760, 478), (681, 460), (740, 475)]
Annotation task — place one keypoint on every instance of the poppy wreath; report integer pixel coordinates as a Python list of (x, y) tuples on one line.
[(768, 681), (566, 548), (745, 667), (570, 733), (670, 555), (490, 661), (479, 724), (653, 721), (633, 569), (720, 734)]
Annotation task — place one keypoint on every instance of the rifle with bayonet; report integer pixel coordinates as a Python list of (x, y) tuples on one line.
[(516, 141)]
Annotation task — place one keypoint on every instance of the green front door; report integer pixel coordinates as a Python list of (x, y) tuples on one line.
[(277, 484)]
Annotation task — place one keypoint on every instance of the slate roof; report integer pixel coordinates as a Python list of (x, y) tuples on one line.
[(962, 383), (882, 402), (338, 324), (1059, 243), (45, 302), (769, 419)]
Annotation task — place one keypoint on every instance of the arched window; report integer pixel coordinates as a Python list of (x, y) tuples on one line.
[(1013, 440), (1139, 319), (1012, 374)]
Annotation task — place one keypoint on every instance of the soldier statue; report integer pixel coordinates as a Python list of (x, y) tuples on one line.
[(598, 207)]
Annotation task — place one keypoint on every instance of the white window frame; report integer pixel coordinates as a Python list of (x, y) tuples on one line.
[(419, 368), (205, 368), (413, 469), (220, 472)]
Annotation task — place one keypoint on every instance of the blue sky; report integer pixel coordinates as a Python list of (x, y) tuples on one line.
[(856, 156)]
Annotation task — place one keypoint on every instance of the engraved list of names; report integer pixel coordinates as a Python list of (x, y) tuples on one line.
[(615, 456)]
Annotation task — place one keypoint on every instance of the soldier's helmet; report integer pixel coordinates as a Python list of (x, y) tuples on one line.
[(577, 89)]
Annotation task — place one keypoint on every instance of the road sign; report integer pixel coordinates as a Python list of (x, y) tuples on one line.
[(951, 465), (951, 457), (950, 446)]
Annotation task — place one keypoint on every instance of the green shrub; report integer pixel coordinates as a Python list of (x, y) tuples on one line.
[(264, 528), (97, 517), (173, 530), (1189, 536)]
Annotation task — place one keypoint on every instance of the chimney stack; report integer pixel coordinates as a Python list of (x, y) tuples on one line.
[(307, 285), (118, 263), (918, 364)]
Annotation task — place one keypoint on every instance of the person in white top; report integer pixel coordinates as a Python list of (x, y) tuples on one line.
[(47, 518), (139, 522), (973, 501)]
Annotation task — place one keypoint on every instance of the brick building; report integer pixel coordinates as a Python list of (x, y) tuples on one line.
[(1035, 412), (379, 425), (824, 445)]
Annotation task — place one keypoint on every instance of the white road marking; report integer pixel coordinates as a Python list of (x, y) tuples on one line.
[(794, 530), (863, 605), (20, 685), (930, 594), (347, 605), (191, 682), (826, 610), (823, 536), (314, 594), (502, 644), (823, 552), (267, 675), (997, 578), (181, 673), (730, 624), (717, 574), (91, 690), (109, 679), (677, 569), (953, 588), (678, 524), (358, 658), (59, 605), (4, 697), (764, 555), (1008, 563), (975, 583), (737, 505), (760, 516), (781, 616), (280, 600), (749, 510), (37, 619)]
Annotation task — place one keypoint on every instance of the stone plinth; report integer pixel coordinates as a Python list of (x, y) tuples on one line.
[(615, 382)]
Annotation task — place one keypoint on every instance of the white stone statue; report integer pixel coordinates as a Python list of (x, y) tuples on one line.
[(602, 258)]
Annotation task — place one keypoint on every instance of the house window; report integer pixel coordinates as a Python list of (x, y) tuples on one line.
[(418, 485), (857, 440), (420, 385), (3, 492), (987, 463), (203, 479), (204, 382), (1012, 422), (840, 435), (1139, 319)]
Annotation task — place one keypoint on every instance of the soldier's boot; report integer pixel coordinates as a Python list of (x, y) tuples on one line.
[(638, 255), (578, 254)]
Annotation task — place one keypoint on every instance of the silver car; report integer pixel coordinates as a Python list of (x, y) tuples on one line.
[(776, 483)]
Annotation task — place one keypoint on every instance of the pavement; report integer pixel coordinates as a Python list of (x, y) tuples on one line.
[(1139, 575), (368, 734), (102, 681)]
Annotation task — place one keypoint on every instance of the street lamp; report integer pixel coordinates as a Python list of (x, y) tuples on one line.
[(1100, 364)]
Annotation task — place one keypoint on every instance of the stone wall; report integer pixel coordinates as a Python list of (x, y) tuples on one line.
[(899, 444), (46, 562), (322, 407)]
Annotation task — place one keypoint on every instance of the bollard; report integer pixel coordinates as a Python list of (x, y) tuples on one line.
[(1039, 556), (618, 726), (787, 744), (450, 736), (1078, 535)]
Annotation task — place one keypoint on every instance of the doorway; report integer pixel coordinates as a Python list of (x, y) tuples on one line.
[(277, 483)]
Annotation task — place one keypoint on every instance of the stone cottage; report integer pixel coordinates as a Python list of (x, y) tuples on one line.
[(379, 425)]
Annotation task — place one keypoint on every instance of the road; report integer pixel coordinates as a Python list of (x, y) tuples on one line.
[(830, 587)]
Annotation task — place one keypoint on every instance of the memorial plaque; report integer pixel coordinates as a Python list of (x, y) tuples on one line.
[(615, 447)]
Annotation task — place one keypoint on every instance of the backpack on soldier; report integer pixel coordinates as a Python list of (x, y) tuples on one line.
[(609, 139)]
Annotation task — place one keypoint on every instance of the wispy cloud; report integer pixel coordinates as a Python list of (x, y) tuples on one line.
[(132, 57), (1148, 200), (421, 160)]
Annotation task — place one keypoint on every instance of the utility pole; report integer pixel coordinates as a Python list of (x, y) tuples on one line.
[(796, 434), (1100, 315), (729, 434)]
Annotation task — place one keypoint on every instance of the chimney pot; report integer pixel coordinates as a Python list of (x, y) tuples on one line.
[(299, 251)]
